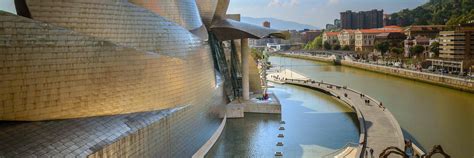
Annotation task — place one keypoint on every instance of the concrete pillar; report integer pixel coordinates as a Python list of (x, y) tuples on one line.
[(244, 43)]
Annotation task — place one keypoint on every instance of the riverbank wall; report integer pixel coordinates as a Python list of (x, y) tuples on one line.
[(440, 80)]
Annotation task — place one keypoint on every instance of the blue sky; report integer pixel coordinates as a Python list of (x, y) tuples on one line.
[(7, 5), (314, 12)]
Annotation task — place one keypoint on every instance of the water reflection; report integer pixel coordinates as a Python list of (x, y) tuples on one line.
[(316, 125)]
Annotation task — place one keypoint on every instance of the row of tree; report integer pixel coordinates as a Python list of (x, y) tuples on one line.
[(417, 50), (317, 44)]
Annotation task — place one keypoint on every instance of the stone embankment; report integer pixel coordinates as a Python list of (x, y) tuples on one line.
[(466, 85)]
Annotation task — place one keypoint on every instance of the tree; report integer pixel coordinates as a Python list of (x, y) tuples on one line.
[(397, 51), (382, 47), (462, 19), (417, 50), (316, 43), (346, 47), (327, 46), (336, 46), (434, 47), (450, 12), (256, 54)]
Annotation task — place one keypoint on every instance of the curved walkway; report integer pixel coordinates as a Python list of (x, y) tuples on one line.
[(378, 128)]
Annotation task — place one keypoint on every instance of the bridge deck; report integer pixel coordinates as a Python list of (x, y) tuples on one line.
[(379, 128)]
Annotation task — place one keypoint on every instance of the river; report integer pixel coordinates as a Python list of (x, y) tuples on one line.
[(315, 125), (428, 114)]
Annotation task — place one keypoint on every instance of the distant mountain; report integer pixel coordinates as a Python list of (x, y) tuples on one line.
[(278, 24)]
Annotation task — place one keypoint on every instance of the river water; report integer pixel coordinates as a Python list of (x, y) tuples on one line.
[(428, 114), (317, 124)]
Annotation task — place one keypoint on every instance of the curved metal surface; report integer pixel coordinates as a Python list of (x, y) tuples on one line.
[(228, 29), (104, 28), (182, 12), (221, 10), (117, 21), (207, 8)]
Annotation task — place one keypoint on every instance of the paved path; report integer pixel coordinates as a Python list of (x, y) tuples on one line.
[(379, 129)]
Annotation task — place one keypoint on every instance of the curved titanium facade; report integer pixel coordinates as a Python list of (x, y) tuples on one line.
[(182, 12), (99, 78), (86, 65), (207, 9), (117, 21), (107, 79)]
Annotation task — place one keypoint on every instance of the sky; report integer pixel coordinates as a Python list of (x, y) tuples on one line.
[(7, 5), (314, 12)]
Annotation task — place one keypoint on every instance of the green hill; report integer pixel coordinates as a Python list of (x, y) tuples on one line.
[(437, 12)]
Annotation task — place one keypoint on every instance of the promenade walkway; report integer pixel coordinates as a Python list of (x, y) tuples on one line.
[(378, 128)]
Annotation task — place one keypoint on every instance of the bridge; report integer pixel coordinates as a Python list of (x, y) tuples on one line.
[(378, 127)]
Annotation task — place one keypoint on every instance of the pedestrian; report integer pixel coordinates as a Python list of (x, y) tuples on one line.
[(371, 152)]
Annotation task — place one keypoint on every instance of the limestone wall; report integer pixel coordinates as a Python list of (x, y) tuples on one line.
[(254, 77)]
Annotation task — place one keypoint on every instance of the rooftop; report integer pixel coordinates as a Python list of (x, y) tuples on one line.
[(331, 33)]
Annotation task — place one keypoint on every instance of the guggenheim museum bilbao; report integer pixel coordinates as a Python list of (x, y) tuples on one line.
[(119, 78)]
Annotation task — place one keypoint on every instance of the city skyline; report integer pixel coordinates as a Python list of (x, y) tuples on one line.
[(317, 13)]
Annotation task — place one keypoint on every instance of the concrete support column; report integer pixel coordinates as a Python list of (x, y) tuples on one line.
[(245, 51)]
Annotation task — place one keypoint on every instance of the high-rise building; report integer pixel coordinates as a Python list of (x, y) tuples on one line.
[(458, 44), (337, 23), (330, 26), (456, 50), (362, 19)]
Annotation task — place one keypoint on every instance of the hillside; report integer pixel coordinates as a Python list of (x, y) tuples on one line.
[(437, 12)]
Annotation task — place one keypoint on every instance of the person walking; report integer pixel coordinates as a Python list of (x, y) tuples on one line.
[(371, 153)]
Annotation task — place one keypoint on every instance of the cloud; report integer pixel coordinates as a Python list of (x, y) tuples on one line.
[(283, 3), (274, 3), (294, 2), (333, 2)]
